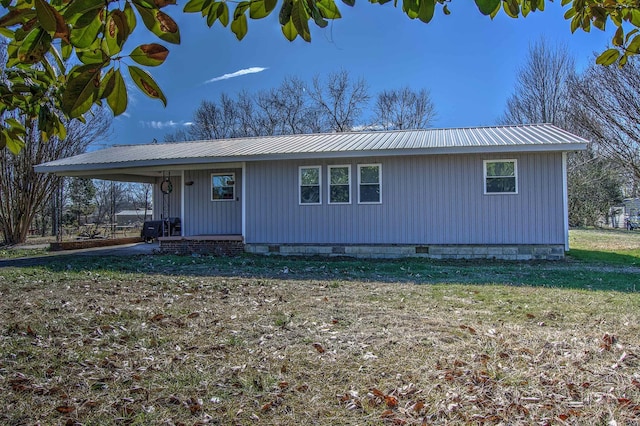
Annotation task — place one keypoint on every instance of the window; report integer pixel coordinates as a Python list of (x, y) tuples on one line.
[(369, 183), (500, 177), (339, 184), (223, 187), (310, 177)]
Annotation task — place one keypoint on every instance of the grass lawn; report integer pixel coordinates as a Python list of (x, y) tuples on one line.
[(281, 341)]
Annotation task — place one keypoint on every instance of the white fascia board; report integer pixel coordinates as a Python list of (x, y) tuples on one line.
[(167, 164)]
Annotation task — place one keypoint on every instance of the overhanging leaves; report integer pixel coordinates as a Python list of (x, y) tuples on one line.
[(82, 90), (146, 84), (150, 55), (487, 7)]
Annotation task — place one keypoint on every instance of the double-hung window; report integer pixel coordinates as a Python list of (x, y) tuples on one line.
[(223, 187), (500, 177), (339, 184), (369, 183), (310, 178)]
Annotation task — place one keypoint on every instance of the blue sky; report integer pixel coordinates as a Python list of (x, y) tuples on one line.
[(466, 61)]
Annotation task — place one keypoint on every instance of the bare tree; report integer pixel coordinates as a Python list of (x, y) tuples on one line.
[(22, 190), (339, 100), (403, 109), (541, 92), (608, 113), (287, 109), (594, 184), (141, 197)]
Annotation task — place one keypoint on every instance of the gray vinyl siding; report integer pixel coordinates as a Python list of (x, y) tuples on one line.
[(435, 199), (207, 217), (175, 196)]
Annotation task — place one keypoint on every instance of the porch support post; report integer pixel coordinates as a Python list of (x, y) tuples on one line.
[(182, 224), (565, 201), (244, 199)]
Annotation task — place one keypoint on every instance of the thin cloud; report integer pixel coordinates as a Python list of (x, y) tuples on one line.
[(238, 73), (164, 124)]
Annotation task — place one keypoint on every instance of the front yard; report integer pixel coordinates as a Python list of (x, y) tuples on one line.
[(253, 340)]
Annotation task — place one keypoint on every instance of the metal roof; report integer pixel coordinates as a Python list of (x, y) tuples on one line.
[(522, 138)]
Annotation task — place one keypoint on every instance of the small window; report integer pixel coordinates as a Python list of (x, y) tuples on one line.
[(339, 184), (369, 183), (310, 185), (500, 177), (223, 187)]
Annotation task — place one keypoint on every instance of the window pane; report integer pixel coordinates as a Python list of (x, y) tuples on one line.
[(339, 176), (310, 176), (370, 174), (339, 194), (309, 194), (370, 193), (222, 180), (223, 193), (502, 168), (506, 184)]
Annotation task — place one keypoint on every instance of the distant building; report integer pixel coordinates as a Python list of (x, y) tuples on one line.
[(133, 217)]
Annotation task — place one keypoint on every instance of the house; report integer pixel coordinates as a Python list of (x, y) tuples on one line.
[(626, 215), (484, 192)]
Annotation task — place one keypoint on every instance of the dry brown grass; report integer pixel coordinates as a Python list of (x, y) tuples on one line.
[(604, 239), (83, 348)]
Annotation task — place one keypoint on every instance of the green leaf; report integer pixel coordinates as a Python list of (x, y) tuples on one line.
[(146, 84), (329, 9), (82, 90), (150, 55), (285, 13), (66, 50), (13, 143), (487, 6), (349, 2), (634, 46), (223, 13), (618, 37), (34, 46), (94, 56), (289, 31), (193, 6), (300, 19), (107, 84), (259, 9), (81, 13), (160, 24), (426, 11), (46, 16), (85, 36), (131, 17), (511, 8), (608, 57), (635, 17), (116, 32), (239, 26), (117, 99)]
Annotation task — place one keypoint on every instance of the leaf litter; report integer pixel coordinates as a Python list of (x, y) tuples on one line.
[(78, 348)]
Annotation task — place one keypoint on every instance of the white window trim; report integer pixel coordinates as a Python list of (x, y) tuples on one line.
[(233, 176), (360, 166), (319, 185), (484, 173), (338, 166)]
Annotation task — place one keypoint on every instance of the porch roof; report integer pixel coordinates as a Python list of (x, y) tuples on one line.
[(135, 162)]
